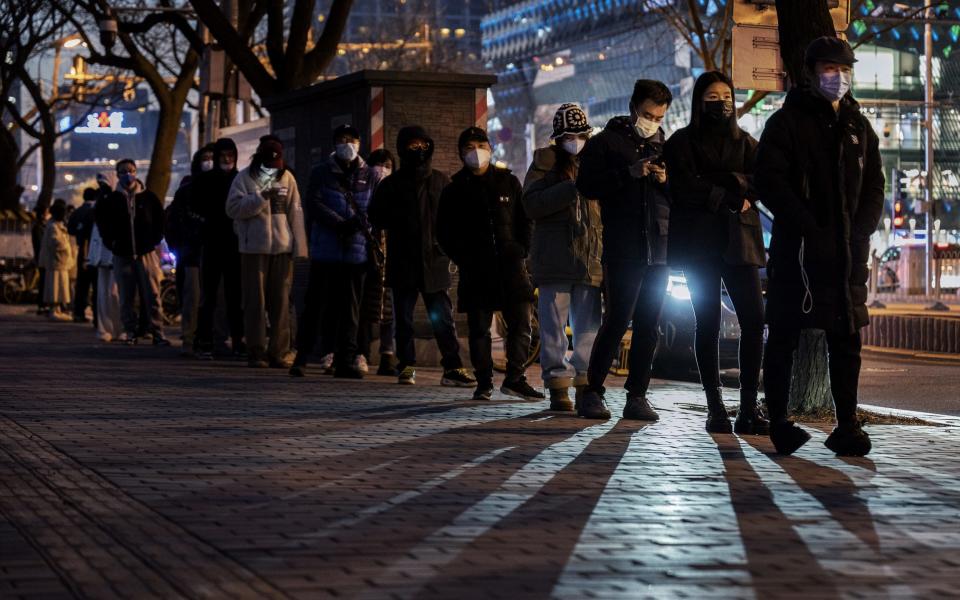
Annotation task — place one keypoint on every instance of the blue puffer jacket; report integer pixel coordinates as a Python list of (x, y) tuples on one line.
[(328, 210)]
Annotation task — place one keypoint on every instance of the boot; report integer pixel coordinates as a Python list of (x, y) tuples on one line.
[(638, 409), (787, 436), (560, 400), (592, 406), (750, 420), (717, 419), (849, 439)]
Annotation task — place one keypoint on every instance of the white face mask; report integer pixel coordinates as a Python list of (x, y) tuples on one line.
[(834, 86), (206, 165), (646, 128), (270, 172), (573, 146), (347, 152), (226, 165), (380, 171), (477, 159)]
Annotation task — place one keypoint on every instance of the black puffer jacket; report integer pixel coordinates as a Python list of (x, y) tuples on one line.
[(483, 228), (635, 212), (113, 221), (208, 200), (819, 172), (183, 228), (405, 206), (711, 173)]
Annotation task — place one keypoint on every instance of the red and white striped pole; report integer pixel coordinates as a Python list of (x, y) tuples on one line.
[(376, 118), (480, 108)]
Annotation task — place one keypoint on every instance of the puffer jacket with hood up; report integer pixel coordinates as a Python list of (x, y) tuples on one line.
[(260, 228)]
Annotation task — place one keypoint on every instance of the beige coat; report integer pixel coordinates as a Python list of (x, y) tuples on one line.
[(261, 231), (58, 256)]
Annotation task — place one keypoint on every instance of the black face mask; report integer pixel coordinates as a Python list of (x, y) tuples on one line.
[(717, 111), (415, 156)]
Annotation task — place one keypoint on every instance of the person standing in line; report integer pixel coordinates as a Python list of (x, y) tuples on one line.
[(482, 227), (41, 215), (623, 168), (715, 237), (264, 203), (183, 229), (405, 207), (340, 241), (107, 304), (220, 254), (58, 258), (130, 221), (565, 256), (79, 226), (819, 172), (376, 307)]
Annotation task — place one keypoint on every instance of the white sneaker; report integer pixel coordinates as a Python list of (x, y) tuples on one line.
[(326, 363), (360, 364)]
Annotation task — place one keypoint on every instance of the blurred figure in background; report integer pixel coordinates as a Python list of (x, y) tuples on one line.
[(58, 258)]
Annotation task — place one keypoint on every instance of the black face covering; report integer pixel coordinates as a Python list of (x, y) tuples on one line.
[(415, 156), (717, 111)]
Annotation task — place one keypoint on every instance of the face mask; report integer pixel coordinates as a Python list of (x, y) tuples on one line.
[(646, 128), (347, 152), (477, 159), (226, 165), (206, 165), (834, 86), (717, 110), (270, 171), (127, 180), (573, 146), (380, 171)]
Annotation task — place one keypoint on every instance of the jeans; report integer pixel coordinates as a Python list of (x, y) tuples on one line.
[(440, 311), (333, 293), (843, 360), (135, 275), (743, 286), (558, 302), (634, 294), (266, 281), (516, 342), (220, 265)]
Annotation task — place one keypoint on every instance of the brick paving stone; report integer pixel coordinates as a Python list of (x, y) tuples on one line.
[(127, 472)]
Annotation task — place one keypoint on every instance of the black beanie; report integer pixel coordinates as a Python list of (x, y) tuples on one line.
[(472, 134)]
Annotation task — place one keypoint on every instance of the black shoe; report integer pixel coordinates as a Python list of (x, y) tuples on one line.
[(484, 391), (347, 372), (457, 378), (520, 389), (298, 370), (204, 355), (590, 405), (638, 409), (579, 390), (787, 437), (560, 400), (160, 341), (750, 419), (387, 366), (849, 440), (239, 350), (718, 421), (80, 319)]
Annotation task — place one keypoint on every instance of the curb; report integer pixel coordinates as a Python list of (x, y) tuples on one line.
[(900, 353)]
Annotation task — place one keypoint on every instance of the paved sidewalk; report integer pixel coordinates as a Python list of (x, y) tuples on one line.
[(128, 472)]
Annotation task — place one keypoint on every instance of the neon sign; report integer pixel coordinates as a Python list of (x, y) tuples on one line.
[(104, 123)]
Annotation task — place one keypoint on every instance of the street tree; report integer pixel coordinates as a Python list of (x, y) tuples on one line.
[(293, 53)]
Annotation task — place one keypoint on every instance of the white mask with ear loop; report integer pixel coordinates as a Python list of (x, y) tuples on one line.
[(574, 146), (477, 159)]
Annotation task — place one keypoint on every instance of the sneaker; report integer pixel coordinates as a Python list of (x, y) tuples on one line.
[(239, 349), (187, 353), (360, 364), (849, 440), (590, 405), (326, 363), (458, 378), (127, 339), (638, 409), (388, 365), (257, 363), (160, 341), (348, 372), (283, 362), (408, 376), (298, 370), (788, 437), (80, 319), (56, 315), (560, 400), (484, 391), (520, 389)]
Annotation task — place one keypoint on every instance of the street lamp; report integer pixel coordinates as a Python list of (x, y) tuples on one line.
[(108, 32)]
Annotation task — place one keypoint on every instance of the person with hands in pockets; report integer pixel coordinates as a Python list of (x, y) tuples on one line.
[(264, 204)]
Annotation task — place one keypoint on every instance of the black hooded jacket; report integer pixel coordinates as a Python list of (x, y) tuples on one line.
[(405, 206), (635, 212), (819, 172), (208, 199)]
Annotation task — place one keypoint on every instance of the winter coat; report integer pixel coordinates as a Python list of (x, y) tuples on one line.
[(81, 223), (327, 208), (483, 228), (635, 212), (208, 199), (98, 255), (57, 253), (567, 232), (710, 176), (260, 227), (183, 228), (113, 221), (405, 206), (819, 172)]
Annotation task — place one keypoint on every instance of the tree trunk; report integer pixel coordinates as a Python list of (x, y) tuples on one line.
[(48, 164), (810, 389), (164, 144), (9, 156)]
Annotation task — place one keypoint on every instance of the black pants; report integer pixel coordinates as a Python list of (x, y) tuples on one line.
[(743, 287), (843, 357), (440, 311), (218, 265), (634, 294), (333, 294), (41, 287), (516, 343), (81, 288)]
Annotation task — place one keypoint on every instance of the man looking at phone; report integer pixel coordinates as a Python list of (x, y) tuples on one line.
[(622, 167)]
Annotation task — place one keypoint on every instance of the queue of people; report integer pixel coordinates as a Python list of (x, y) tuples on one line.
[(589, 237)]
